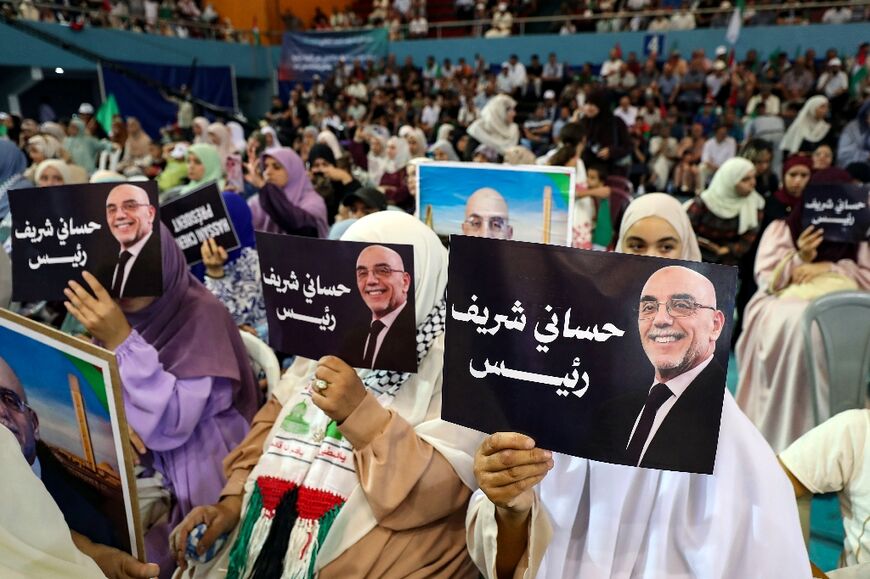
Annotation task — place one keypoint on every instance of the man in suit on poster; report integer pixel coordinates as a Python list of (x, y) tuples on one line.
[(388, 342), (131, 217), (673, 423)]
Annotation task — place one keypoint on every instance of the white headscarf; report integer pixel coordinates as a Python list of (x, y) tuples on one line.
[(49, 145), (445, 147), (806, 126), (275, 141), (492, 128), (377, 163), (402, 155), (238, 136), (202, 137), (445, 132), (419, 149), (329, 139), (58, 164), (666, 207), (34, 538), (225, 141), (722, 199)]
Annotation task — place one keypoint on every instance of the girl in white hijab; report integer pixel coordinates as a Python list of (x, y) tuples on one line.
[(727, 215), (656, 224), (443, 151), (591, 519), (219, 136), (200, 130), (394, 181), (496, 127), (809, 127), (272, 140), (416, 139), (399, 452), (329, 139), (237, 134), (376, 158)]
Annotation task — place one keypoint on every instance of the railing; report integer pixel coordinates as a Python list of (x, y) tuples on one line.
[(436, 29)]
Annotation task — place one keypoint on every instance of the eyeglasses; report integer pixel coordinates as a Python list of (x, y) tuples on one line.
[(126, 207), (379, 271), (676, 308), (494, 224), (12, 400)]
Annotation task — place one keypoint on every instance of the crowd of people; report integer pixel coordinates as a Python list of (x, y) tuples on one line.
[(179, 18), (689, 158)]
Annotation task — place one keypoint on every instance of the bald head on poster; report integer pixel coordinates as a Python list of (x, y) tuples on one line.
[(131, 216), (486, 215)]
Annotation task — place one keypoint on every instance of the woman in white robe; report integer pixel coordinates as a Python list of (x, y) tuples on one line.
[(590, 519)]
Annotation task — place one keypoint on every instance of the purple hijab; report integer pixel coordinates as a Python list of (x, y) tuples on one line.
[(298, 193), (192, 331)]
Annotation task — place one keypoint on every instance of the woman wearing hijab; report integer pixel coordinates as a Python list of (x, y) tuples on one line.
[(607, 138), (377, 519), (234, 277), (40, 148), (203, 166), (496, 127), (189, 392), (219, 136), (809, 128), (83, 149), (796, 172), (237, 135), (53, 172), (200, 130), (13, 163), (794, 266), (656, 224), (727, 216), (376, 158), (591, 519), (854, 144), (329, 139), (416, 140), (332, 182), (443, 151), (286, 202), (394, 181), (271, 137), (136, 147)]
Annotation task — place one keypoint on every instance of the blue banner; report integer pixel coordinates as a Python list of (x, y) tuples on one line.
[(304, 54), (213, 84)]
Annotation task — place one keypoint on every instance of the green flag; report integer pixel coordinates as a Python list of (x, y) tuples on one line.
[(107, 112)]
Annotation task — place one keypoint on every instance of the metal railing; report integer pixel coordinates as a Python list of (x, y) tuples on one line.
[(436, 29)]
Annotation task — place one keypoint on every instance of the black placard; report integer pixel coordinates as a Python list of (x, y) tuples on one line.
[(57, 232), (315, 304), (197, 216), (840, 209), (546, 341)]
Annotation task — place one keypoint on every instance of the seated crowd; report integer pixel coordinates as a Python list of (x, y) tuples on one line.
[(694, 159)]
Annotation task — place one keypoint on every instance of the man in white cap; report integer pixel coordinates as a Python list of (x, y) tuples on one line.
[(833, 82), (86, 114)]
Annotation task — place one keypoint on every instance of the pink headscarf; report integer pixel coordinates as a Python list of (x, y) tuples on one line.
[(297, 193)]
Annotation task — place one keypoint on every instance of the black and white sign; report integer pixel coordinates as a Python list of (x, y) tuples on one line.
[(567, 346), (197, 216), (348, 299), (108, 229), (840, 209)]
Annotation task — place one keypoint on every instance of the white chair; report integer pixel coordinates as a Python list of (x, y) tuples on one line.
[(263, 359)]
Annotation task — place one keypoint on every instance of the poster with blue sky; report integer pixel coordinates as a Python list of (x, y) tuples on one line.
[(523, 203), (71, 427)]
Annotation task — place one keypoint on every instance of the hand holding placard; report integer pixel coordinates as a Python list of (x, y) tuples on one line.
[(344, 390), (100, 315)]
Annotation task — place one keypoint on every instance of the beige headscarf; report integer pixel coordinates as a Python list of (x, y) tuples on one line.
[(492, 128), (806, 126), (666, 207), (225, 141), (722, 200), (58, 164)]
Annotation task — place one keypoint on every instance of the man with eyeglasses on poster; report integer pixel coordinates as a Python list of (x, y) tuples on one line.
[(91, 531), (674, 423), (388, 342), (486, 215), (131, 217)]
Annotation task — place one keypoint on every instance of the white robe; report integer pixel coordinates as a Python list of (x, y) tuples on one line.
[(597, 520)]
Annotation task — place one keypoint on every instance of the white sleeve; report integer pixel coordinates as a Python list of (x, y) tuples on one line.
[(828, 457)]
